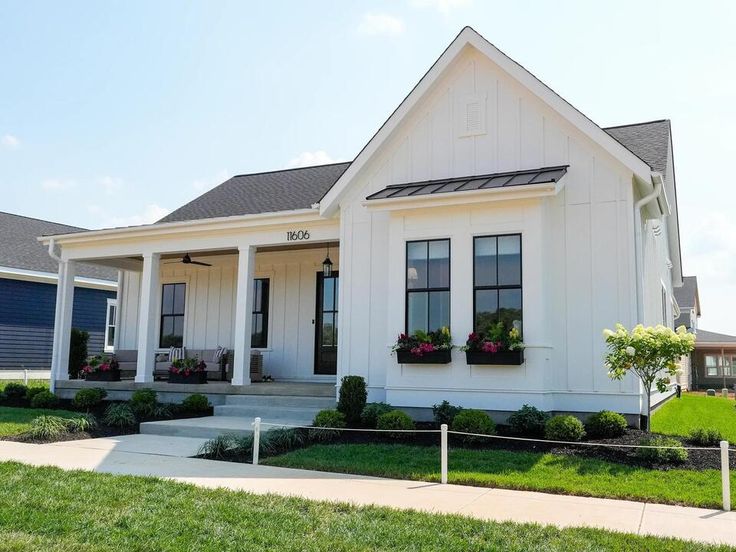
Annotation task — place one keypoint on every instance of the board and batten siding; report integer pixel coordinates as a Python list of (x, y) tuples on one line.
[(578, 252), (27, 321), (209, 318)]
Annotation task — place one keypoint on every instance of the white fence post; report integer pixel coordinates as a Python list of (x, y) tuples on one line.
[(725, 477), (443, 453), (256, 440), (25, 376)]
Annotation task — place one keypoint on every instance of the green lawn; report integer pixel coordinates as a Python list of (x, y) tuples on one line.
[(52, 510), (681, 416), (17, 420), (516, 470)]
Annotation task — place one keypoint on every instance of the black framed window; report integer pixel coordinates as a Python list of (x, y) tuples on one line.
[(497, 281), (259, 324), (427, 285), (173, 297)]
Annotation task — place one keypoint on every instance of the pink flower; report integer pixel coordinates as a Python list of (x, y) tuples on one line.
[(490, 347), (473, 336), (104, 367)]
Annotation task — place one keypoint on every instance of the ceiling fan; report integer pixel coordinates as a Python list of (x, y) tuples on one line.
[(186, 259)]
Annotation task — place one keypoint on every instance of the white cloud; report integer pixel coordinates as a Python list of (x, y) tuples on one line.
[(9, 141), (372, 24), (311, 158), (442, 6), (205, 184), (110, 184), (151, 213), (57, 184)]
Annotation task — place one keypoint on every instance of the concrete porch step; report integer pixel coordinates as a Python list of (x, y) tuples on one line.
[(280, 412), (210, 426), (279, 401)]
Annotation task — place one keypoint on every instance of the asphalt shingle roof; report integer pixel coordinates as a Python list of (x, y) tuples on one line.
[(702, 336), (266, 192), (20, 249), (686, 295), (649, 141)]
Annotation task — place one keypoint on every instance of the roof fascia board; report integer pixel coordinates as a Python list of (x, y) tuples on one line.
[(52, 278), (529, 191), (187, 226), (468, 36)]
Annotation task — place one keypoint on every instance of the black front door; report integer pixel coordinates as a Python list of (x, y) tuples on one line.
[(325, 322)]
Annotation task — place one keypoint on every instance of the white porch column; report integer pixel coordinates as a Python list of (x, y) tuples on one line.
[(62, 322), (147, 314), (243, 315)]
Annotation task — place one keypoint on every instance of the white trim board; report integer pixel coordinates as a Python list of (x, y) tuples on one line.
[(52, 278)]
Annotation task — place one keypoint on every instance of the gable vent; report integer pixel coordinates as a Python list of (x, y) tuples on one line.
[(472, 116)]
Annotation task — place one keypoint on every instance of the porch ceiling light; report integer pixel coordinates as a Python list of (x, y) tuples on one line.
[(327, 265)]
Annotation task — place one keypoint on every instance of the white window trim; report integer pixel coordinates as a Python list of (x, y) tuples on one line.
[(110, 303)]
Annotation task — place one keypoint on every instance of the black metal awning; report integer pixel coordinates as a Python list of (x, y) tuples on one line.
[(472, 183)]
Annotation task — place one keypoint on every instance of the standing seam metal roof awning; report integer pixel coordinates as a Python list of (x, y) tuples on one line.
[(472, 183)]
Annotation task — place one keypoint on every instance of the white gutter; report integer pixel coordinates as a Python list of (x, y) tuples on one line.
[(52, 253), (639, 245)]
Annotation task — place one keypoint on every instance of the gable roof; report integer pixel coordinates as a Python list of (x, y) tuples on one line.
[(20, 249), (703, 337), (265, 192), (649, 141), (687, 294), (470, 37)]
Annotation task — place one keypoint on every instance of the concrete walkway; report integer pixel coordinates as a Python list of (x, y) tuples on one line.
[(166, 457)]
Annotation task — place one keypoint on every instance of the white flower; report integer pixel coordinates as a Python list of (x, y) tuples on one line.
[(630, 351)]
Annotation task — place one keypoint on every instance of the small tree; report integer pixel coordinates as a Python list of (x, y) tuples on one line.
[(77, 351), (651, 353)]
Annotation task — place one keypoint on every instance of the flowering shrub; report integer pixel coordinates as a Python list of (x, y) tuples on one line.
[(422, 342), (651, 353), (100, 363), (496, 338), (187, 366)]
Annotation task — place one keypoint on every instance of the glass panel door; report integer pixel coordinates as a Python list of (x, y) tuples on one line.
[(325, 324)]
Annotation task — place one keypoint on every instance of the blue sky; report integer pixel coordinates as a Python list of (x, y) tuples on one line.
[(116, 112)]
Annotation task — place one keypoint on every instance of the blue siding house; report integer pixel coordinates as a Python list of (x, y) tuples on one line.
[(28, 296)]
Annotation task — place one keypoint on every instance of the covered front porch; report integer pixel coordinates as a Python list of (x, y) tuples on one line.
[(262, 294)]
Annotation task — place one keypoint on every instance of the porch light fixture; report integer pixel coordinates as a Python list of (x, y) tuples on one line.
[(327, 265)]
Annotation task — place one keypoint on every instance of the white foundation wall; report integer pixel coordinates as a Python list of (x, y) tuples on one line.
[(210, 307), (577, 252)]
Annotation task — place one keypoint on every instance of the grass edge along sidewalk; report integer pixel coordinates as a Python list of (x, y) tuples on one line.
[(49, 509), (527, 471)]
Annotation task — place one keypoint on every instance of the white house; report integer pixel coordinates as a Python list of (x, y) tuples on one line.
[(481, 163)]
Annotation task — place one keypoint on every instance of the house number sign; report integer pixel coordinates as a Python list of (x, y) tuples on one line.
[(297, 235)]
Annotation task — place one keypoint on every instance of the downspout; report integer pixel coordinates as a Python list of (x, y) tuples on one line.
[(639, 245), (52, 253)]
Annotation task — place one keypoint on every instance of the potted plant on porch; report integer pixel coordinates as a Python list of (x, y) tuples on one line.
[(498, 345), (101, 368), (188, 370), (424, 347)]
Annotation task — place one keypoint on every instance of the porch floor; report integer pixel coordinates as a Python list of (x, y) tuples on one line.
[(294, 389)]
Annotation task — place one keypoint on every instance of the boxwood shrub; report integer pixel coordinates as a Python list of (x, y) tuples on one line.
[(143, 403), (352, 399), (44, 399), (564, 428), (396, 419), (606, 425), (16, 390), (528, 420), (327, 418), (89, 398), (675, 455), (196, 404), (444, 413), (371, 412), (703, 437), (473, 421)]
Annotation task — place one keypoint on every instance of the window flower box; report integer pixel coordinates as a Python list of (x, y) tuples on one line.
[(188, 370), (101, 368), (499, 358), (442, 356), (424, 347)]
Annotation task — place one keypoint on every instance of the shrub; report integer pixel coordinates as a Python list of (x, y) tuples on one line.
[(85, 422), (196, 404), (280, 440), (444, 413), (675, 455), (218, 448), (119, 415), (16, 390), (352, 399), (33, 391), (47, 427), (396, 419), (371, 412), (564, 428), (528, 420), (606, 424), (89, 398), (473, 421), (77, 351), (327, 418), (706, 437), (44, 399), (143, 403)]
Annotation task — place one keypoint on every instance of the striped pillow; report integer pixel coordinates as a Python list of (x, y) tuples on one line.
[(177, 353)]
